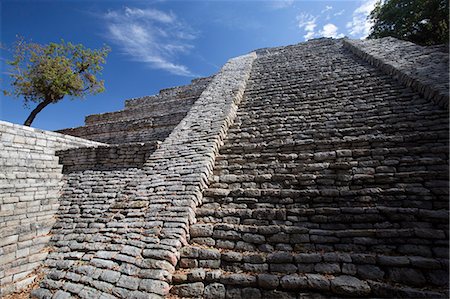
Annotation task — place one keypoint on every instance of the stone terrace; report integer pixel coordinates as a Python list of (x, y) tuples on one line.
[(143, 119), (307, 171)]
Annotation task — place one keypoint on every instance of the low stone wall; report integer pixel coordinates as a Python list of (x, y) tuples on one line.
[(29, 191), (132, 155), (425, 69)]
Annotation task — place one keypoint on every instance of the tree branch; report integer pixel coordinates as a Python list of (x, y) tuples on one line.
[(36, 110)]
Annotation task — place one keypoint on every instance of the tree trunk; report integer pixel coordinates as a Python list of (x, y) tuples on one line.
[(36, 110)]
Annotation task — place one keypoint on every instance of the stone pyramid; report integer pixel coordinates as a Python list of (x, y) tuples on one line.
[(317, 170)]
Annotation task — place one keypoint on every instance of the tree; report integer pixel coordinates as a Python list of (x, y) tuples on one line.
[(424, 22), (45, 74)]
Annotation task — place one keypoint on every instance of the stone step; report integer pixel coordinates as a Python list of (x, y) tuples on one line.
[(411, 270), (194, 89), (328, 196), (128, 131), (350, 133), (356, 102), (209, 284), (342, 124), (339, 175), (347, 236), (412, 140), (149, 111)]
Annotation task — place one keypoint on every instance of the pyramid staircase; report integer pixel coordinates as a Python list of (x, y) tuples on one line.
[(325, 186), (295, 172)]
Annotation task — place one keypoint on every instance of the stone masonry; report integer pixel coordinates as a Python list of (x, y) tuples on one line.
[(307, 171), (30, 182), (143, 119), (333, 180)]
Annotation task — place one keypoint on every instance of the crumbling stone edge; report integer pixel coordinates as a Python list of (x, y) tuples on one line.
[(412, 78)]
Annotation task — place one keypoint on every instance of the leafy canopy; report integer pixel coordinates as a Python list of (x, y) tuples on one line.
[(45, 74), (423, 22)]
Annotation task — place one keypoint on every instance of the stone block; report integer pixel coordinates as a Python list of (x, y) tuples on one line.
[(195, 289), (349, 286), (268, 281), (201, 230), (214, 291)]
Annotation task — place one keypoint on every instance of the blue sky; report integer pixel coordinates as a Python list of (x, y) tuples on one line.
[(161, 44)]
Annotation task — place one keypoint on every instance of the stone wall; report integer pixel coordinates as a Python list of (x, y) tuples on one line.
[(424, 69), (29, 191), (112, 157)]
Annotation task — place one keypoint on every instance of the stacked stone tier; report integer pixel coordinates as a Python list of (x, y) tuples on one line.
[(144, 119)]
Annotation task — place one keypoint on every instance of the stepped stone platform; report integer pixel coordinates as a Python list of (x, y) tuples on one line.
[(317, 170), (143, 119)]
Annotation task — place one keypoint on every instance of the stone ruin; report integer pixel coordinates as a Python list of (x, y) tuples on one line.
[(315, 170)]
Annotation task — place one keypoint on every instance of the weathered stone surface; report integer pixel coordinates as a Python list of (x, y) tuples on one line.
[(328, 177), (61, 295), (29, 198), (318, 282), (305, 160), (110, 276), (293, 282), (195, 289), (408, 63), (128, 282), (406, 275), (41, 294), (268, 281), (214, 291), (154, 286), (238, 279), (370, 272), (251, 293), (349, 286), (196, 275), (280, 257), (201, 230)]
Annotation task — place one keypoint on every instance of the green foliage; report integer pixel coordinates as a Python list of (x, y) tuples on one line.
[(45, 74), (423, 22)]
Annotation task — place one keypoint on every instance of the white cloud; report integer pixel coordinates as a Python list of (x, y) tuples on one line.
[(330, 30), (307, 22), (150, 36), (151, 14), (309, 35), (339, 13), (360, 26), (327, 8), (279, 4)]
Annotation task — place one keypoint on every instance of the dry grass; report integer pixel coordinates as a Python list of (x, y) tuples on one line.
[(25, 293)]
